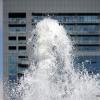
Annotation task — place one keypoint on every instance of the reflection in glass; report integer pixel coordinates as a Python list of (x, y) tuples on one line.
[(17, 29), (17, 20), (86, 19), (70, 19), (12, 77), (87, 48), (12, 58), (12, 68), (91, 63), (87, 28)]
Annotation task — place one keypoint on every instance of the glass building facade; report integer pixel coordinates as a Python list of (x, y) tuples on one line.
[(17, 45), (82, 28)]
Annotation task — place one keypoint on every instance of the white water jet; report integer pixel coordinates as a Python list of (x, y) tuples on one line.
[(51, 75)]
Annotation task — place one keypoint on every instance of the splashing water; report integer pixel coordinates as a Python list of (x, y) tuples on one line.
[(51, 75)]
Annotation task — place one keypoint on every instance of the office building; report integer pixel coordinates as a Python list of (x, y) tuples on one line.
[(81, 19)]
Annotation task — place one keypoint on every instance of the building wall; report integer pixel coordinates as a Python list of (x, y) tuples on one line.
[(45, 6)]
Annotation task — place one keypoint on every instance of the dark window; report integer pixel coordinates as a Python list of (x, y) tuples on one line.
[(22, 47), (22, 38), (20, 75), (23, 65), (12, 37), (12, 47), (15, 25), (15, 15), (22, 56)]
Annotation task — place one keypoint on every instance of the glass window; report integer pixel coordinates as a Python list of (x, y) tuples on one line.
[(23, 57), (86, 19), (87, 28), (17, 20), (70, 28), (12, 40), (70, 19), (14, 15), (12, 68), (36, 19), (91, 63), (87, 48), (22, 38), (12, 37), (89, 38), (60, 18), (17, 29), (12, 58), (86, 38), (22, 48), (12, 47), (23, 65), (21, 70), (20, 75), (12, 77), (94, 18)]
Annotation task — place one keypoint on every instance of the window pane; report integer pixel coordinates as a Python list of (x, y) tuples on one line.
[(87, 28), (36, 19), (91, 63), (22, 48), (12, 58), (17, 29), (70, 19), (12, 68), (86, 38), (86, 19), (12, 47), (17, 21), (70, 28), (12, 37), (87, 48), (60, 18), (12, 77)]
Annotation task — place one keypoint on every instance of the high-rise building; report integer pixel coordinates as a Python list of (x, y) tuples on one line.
[(81, 19)]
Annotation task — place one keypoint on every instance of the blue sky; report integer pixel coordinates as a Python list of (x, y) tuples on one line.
[(1, 40)]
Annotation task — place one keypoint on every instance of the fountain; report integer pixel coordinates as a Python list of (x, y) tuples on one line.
[(52, 74)]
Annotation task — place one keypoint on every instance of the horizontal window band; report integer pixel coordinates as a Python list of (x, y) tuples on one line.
[(17, 15), (17, 25), (61, 14)]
